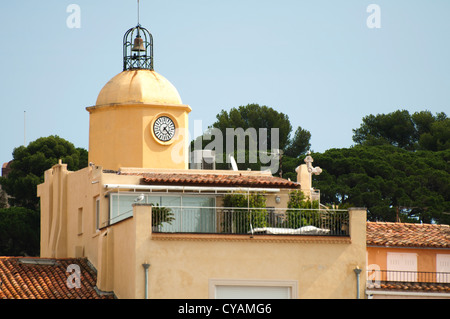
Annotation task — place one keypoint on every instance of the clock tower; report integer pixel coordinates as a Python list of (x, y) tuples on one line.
[(139, 119)]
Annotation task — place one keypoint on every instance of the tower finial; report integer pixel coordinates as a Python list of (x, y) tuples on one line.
[(137, 12), (138, 47)]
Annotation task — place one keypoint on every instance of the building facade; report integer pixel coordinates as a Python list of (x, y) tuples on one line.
[(408, 260), (153, 228)]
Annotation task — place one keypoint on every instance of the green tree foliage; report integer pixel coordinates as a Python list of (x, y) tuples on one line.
[(242, 220), (30, 163), (161, 214), (385, 179), (299, 213), (19, 232), (299, 144), (3, 199), (254, 116), (419, 131), (289, 164), (437, 138)]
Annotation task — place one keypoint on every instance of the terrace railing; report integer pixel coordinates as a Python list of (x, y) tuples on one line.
[(253, 221), (378, 276)]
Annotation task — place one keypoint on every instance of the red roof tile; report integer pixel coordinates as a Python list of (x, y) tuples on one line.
[(412, 286), (35, 278), (218, 180), (408, 235)]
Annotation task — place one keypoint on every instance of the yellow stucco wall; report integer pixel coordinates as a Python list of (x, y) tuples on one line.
[(68, 202), (183, 266), (426, 258), (120, 123), (75, 213), (121, 136)]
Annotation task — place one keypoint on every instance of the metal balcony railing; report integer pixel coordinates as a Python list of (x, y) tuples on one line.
[(253, 221), (379, 276)]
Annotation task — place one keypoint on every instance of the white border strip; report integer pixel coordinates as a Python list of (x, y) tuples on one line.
[(291, 284), (409, 293)]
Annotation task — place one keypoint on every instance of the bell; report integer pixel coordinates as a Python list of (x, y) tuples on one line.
[(138, 44)]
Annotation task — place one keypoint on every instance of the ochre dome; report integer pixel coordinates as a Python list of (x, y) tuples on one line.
[(138, 87)]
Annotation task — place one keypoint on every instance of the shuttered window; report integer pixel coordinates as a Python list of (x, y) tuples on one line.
[(402, 267), (443, 268)]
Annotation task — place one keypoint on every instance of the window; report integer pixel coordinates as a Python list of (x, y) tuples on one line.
[(252, 289), (80, 221), (120, 206), (97, 213), (402, 267), (443, 268), (191, 214)]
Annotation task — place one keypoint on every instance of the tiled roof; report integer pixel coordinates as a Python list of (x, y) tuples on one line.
[(401, 235), (35, 278), (411, 287), (218, 180), (408, 235)]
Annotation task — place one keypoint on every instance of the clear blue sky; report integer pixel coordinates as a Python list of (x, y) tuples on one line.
[(316, 61)]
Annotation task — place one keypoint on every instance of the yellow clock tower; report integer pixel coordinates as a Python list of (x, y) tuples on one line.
[(139, 119)]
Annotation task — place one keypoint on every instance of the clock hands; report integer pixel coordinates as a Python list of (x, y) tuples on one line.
[(164, 129)]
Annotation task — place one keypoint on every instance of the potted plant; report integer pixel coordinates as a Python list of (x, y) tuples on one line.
[(300, 212), (240, 216), (160, 215)]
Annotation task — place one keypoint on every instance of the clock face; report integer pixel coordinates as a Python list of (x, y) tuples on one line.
[(164, 128)]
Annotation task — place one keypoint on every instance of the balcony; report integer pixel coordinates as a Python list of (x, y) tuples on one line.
[(404, 279), (250, 221)]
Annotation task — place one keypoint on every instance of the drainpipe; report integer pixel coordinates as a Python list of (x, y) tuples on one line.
[(146, 266), (358, 273)]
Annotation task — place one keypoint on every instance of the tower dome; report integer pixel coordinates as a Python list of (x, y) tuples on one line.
[(140, 86), (138, 83)]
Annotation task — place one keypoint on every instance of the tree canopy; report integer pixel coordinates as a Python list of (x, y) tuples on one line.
[(387, 180), (19, 232), (30, 162), (255, 116), (419, 131), (399, 166)]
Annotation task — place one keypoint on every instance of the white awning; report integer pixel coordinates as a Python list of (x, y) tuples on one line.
[(189, 188)]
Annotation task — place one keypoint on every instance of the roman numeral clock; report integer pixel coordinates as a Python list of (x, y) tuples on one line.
[(164, 128)]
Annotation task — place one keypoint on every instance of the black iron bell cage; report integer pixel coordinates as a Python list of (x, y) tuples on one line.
[(137, 49)]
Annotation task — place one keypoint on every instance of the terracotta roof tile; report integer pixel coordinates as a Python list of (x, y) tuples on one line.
[(412, 286), (218, 180), (35, 278), (408, 235)]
